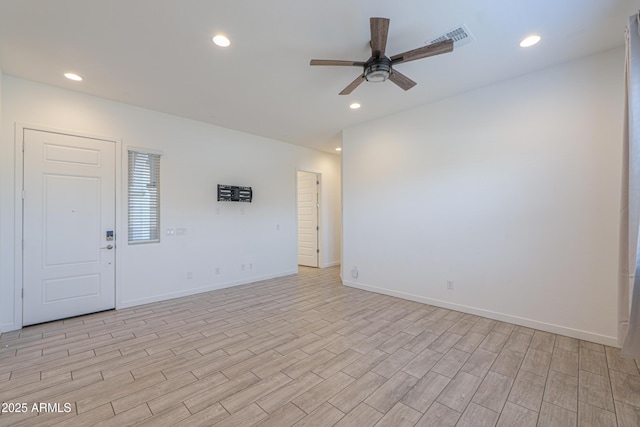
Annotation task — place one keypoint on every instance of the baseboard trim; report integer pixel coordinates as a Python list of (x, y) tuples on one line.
[(194, 291), (331, 264), (521, 321), (8, 327)]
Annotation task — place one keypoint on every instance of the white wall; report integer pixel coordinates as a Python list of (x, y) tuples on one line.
[(510, 191), (196, 157), (6, 304)]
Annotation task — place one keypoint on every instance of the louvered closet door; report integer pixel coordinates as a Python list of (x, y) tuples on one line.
[(308, 219)]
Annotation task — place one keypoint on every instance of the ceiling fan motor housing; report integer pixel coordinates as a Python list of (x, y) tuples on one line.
[(377, 69)]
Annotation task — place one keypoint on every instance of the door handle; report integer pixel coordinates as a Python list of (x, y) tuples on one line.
[(108, 247)]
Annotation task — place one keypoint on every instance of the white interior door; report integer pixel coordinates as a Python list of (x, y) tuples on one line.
[(68, 209), (308, 219)]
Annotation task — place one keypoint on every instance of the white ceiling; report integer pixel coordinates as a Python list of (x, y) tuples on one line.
[(158, 54)]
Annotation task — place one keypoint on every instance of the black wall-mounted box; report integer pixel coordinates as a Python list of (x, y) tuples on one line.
[(233, 193)]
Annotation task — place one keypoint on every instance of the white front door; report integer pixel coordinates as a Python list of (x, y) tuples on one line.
[(308, 219), (68, 209)]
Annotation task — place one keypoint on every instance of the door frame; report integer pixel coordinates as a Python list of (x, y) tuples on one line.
[(321, 229), (19, 211)]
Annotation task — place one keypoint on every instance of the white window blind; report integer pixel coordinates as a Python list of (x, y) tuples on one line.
[(144, 197)]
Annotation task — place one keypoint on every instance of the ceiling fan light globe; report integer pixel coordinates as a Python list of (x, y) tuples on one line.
[(377, 76)]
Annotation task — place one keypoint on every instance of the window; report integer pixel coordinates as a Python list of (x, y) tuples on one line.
[(144, 197)]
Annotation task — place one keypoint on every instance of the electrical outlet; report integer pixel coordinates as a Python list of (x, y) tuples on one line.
[(189, 275), (250, 266), (217, 270), (354, 272), (277, 227), (242, 267), (450, 285)]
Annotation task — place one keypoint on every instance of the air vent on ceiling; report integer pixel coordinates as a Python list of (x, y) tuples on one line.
[(460, 36)]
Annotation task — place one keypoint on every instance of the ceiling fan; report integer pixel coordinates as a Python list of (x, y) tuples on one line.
[(379, 67)]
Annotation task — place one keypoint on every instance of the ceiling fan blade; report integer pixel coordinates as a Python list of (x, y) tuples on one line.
[(379, 33), (336, 62), (354, 84), (401, 80), (423, 52)]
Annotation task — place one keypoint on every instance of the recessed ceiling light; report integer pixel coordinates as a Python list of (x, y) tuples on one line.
[(530, 40), (354, 106), (221, 40), (339, 149), (73, 76)]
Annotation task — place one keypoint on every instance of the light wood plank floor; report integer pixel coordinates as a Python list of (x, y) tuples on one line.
[(303, 350)]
